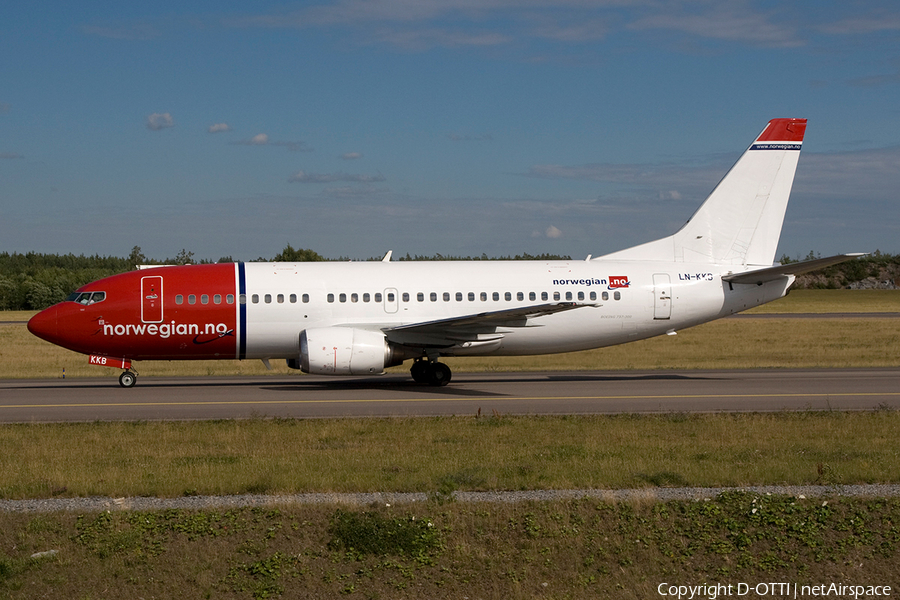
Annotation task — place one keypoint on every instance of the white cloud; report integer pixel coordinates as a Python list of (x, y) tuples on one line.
[(219, 128), (158, 121), (553, 232), (862, 24), (728, 21), (670, 195), (426, 24), (873, 174), (262, 139), (304, 177)]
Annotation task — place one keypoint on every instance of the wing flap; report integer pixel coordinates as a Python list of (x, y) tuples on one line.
[(479, 327)]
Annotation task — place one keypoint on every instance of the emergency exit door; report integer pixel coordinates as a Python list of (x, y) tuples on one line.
[(152, 299)]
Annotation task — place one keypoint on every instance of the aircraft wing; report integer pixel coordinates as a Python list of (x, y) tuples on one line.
[(760, 276), (476, 327)]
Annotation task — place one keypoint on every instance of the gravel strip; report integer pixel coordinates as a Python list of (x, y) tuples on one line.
[(98, 504)]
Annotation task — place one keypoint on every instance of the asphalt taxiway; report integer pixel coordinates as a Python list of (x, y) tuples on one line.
[(531, 393)]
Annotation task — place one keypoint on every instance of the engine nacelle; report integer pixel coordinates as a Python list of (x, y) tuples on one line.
[(343, 351)]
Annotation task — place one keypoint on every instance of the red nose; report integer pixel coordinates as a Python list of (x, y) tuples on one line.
[(44, 326)]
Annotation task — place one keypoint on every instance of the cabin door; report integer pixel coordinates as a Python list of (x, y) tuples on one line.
[(152, 299)]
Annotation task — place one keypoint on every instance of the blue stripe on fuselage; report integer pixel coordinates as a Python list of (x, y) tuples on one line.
[(242, 304)]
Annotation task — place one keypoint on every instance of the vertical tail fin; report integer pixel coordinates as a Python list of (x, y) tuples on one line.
[(740, 222)]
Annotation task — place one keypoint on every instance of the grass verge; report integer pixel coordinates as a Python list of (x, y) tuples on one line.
[(567, 549), (455, 453)]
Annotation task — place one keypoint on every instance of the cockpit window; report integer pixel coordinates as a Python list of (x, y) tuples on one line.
[(86, 297)]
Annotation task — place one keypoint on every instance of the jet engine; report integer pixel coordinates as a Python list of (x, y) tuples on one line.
[(345, 351)]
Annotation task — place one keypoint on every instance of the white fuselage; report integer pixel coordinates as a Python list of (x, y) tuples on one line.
[(624, 300)]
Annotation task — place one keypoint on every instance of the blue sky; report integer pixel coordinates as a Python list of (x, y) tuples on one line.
[(458, 127)]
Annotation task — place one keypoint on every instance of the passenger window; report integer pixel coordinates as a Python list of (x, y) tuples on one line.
[(254, 298), (605, 295), (556, 295), (280, 298), (507, 296), (568, 295), (378, 297), (179, 299), (343, 297), (366, 297), (520, 296), (617, 295), (354, 297), (593, 295), (532, 296), (293, 298), (405, 297), (330, 297), (459, 296), (305, 298), (433, 296), (495, 296), (471, 296), (192, 299), (268, 298), (544, 296), (230, 299), (204, 299), (446, 296), (420, 297), (390, 297), (243, 299), (217, 299), (484, 296), (581, 295)]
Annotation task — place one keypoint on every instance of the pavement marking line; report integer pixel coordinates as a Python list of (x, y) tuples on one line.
[(441, 399)]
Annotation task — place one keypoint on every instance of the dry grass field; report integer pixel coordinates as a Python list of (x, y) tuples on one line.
[(429, 454)]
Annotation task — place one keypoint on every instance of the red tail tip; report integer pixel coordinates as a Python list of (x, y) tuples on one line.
[(783, 130)]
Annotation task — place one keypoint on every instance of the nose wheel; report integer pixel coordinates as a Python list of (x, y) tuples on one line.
[(127, 379), (430, 372)]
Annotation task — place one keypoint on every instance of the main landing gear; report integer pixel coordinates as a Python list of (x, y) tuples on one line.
[(430, 372)]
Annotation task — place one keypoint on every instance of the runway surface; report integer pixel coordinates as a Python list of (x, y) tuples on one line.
[(546, 393)]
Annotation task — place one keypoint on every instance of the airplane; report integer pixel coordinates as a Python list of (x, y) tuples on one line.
[(359, 318)]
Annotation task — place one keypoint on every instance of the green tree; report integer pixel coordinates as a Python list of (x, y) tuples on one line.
[(136, 257), (291, 255), (184, 258)]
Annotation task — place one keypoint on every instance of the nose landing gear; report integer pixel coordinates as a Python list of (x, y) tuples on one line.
[(127, 379)]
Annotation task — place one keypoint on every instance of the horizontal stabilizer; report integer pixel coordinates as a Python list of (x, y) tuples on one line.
[(760, 276)]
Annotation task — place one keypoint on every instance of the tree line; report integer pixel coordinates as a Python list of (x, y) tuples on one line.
[(34, 281)]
